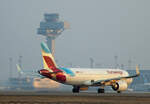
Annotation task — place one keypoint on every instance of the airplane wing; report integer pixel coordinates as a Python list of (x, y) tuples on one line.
[(112, 80)]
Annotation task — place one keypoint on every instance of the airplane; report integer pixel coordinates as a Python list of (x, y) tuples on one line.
[(83, 78), (27, 73)]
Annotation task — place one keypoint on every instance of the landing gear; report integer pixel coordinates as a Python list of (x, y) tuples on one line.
[(76, 89), (118, 91), (100, 90)]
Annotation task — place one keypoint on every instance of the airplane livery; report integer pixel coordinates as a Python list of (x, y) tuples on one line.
[(83, 78)]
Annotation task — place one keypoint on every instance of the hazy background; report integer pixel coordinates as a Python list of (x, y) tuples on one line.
[(98, 28)]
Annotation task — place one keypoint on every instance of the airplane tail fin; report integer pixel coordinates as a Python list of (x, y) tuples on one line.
[(48, 60), (19, 69)]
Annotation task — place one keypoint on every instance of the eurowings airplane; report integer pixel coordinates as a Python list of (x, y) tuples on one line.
[(82, 78)]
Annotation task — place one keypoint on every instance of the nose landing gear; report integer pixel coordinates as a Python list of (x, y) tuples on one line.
[(100, 90)]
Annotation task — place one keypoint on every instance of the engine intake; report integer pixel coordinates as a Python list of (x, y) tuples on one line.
[(120, 86)]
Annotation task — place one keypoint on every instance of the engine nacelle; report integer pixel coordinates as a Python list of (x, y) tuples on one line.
[(120, 86)]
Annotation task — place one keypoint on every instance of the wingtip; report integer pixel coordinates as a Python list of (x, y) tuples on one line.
[(137, 70)]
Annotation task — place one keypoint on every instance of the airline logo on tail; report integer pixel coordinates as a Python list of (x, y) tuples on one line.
[(48, 60)]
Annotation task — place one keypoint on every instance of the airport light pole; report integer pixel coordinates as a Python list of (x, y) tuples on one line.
[(10, 67), (116, 61), (20, 64), (129, 64), (91, 62)]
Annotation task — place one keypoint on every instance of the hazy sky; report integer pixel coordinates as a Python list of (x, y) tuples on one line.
[(98, 29)]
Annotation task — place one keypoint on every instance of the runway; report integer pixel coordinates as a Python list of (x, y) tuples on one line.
[(70, 98)]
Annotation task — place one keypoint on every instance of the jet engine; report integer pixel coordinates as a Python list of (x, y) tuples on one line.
[(120, 86)]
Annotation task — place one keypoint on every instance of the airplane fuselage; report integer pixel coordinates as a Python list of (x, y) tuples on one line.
[(85, 76)]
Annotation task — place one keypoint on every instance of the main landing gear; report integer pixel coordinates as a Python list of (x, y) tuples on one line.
[(76, 89), (118, 91), (101, 90)]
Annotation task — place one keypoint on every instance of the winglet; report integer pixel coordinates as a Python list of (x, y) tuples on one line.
[(137, 70)]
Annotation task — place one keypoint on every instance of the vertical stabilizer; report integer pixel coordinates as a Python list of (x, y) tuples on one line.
[(48, 60), (19, 69)]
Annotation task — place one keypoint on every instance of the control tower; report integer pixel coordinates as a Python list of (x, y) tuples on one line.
[(51, 28)]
